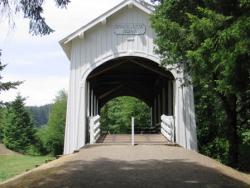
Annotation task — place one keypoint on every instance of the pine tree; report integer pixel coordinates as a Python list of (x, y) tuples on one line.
[(4, 86), (31, 10), (18, 129)]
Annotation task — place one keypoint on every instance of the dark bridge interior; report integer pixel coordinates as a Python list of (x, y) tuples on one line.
[(132, 76)]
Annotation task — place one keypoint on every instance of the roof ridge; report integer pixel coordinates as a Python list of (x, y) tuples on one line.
[(148, 5)]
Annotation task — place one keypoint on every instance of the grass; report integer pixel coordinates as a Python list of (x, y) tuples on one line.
[(11, 165)]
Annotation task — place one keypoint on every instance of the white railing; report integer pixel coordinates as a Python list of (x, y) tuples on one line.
[(94, 129), (133, 131), (167, 127)]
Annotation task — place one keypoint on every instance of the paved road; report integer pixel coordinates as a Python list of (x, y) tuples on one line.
[(122, 166)]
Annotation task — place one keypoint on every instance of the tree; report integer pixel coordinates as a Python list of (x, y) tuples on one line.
[(116, 115), (18, 129), (211, 129), (31, 10), (52, 135), (39, 114), (4, 86), (210, 40), (1, 123)]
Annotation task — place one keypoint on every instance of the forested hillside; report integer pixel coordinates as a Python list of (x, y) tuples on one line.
[(39, 114)]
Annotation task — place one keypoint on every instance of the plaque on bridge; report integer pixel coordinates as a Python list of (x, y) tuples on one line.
[(129, 29)]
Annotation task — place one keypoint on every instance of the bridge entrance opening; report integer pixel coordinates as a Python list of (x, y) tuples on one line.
[(116, 116), (116, 122), (128, 81)]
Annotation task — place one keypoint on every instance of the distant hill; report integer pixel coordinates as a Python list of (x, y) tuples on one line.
[(39, 114)]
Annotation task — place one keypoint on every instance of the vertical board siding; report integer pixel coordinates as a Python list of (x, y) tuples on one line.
[(99, 43)]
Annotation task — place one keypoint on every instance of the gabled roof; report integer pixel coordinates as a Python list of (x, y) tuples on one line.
[(66, 42)]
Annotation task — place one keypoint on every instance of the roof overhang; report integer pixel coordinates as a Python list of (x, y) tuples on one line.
[(66, 42)]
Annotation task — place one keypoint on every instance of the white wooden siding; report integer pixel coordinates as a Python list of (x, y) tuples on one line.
[(100, 44), (101, 41)]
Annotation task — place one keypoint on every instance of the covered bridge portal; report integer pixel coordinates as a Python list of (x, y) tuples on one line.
[(132, 76), (114, 56)]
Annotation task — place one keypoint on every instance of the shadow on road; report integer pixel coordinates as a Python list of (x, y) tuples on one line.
[(104, 173)]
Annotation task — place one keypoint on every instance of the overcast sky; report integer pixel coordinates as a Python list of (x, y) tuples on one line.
[(40, 61)]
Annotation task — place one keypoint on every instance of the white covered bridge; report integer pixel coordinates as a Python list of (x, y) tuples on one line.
[(114, 56)]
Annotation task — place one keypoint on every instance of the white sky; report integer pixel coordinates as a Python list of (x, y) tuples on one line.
[(40, 61)]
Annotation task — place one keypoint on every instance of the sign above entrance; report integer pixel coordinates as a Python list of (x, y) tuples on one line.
[(129, 29)]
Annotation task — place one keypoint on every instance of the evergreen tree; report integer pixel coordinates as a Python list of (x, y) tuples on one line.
[(210, 40), (4, 86), (31, 10), (18, 129)]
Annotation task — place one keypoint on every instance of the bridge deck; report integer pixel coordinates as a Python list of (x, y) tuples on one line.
[(139, 139)]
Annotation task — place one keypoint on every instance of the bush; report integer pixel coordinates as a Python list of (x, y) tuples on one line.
[(218, 149)]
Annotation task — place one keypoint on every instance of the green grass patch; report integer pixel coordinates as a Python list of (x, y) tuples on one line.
[(11, 165)]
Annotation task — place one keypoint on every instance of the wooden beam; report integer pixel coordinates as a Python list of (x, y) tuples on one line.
[(105, 70), (170, 98), (164, 100), (123, 92), (109, 92), (88, 99), (149, 68), (91, 102), (155, 111)]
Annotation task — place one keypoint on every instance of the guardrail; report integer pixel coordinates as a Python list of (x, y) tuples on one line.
[(167, 127), (94, 129)]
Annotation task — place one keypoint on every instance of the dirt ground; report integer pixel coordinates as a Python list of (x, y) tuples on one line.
[(124, 166), (5, 151)]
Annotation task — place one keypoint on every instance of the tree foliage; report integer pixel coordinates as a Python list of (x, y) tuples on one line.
[(31, 10), (17, 128), (211, 130), (116, 115), (4, 86), (39, 114), (52, 135), (210, 40), (1, 122)]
